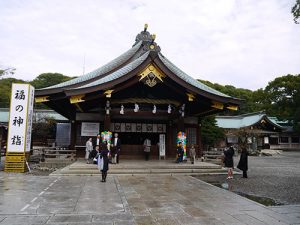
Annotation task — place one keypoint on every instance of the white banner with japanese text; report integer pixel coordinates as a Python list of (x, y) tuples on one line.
[(162, 145), (90, 129), (20, 118)]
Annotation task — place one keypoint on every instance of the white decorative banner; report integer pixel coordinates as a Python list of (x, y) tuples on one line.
[(90, 129), (20, 118), (266, 140), (162, 145)]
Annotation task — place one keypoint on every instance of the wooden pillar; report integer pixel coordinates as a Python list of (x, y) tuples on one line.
[(169, 141), (199, 142), (180, 124), (107, 122), (73, 133)]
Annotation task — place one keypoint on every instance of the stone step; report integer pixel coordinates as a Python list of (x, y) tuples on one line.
[(95, 171), (142, 167), (89, 167)]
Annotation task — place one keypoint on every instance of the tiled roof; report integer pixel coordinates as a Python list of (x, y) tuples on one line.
[(102, 70), (38, 114), (119, 73), (245, 120), (182, 75)]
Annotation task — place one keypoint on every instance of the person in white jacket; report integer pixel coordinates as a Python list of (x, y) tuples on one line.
[(88, 149)]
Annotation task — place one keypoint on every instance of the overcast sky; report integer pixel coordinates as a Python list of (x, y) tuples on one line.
[(245, 43)]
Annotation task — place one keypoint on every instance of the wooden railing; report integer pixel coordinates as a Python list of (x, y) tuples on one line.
[(49, 153)]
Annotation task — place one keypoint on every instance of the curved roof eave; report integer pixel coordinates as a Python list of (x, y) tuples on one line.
[(274, 124), (116, 75), (195, 83), (98, 72)]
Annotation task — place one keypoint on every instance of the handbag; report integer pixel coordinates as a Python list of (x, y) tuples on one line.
[(100, 163)]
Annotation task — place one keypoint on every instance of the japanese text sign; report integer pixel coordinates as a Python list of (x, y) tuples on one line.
[(20, 118)]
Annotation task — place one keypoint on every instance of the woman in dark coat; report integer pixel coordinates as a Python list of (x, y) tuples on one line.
[(243, 163), (104, 155), (228, 161), (180, 153)]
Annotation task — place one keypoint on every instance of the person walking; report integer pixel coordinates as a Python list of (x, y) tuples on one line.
[(117, 145), (192, 154), (243, 163), (228, 161), (88, 149), (103, 160), (147, 148)]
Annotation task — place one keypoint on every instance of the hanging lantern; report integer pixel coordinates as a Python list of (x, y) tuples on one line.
[(169, 109), (154, 109), (107, 108), (122, 110), (136, 107), (181, 110)]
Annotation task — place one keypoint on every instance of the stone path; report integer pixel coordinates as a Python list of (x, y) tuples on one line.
[(129, 200)]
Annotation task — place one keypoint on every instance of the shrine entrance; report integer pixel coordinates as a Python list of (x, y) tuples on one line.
[(140, 94)]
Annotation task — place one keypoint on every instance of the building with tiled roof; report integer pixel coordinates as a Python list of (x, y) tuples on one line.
[(139, 94)]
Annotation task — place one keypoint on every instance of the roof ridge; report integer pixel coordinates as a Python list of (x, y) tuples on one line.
[(118, 73), (243, 115), (181, 74), (101, 70)]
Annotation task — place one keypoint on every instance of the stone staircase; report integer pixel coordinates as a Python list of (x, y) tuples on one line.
[(139, 167)]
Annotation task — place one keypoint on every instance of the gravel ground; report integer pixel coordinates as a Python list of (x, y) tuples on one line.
[(276, 177)]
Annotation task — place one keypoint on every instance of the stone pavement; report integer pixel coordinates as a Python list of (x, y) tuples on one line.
[(129, 200)]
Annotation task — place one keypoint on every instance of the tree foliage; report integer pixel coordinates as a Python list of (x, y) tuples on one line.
[(41, 81), (249, 97), (49, 79), (296, 11), (5, 87), (210, 133), (44, 129), (280, 98), (283, 98), (7, 71)]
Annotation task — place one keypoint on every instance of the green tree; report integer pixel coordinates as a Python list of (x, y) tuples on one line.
[(5, 87), (248, 105), (283, 97), (43, 130), (49, 79), (7, 71), (296, 11), (210, 132)]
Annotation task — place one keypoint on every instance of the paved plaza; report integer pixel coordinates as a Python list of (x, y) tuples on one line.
[(144, 199)]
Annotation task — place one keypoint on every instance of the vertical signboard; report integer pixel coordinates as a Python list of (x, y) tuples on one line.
[(162, 145), (20, 124), (29, 118)]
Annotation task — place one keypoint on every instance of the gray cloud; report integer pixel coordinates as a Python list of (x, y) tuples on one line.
[(242, 43)]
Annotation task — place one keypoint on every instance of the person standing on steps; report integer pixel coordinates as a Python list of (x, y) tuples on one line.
[(88, 149), (228, 161), (117, 145), (243, 163), (192, 154), (147, 148), (180, 152)]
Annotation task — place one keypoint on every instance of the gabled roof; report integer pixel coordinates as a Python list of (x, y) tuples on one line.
[(144, 51), (182, 75), (244, 120), (98, 73)]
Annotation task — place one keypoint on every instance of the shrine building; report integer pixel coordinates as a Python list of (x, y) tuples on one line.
[(140, 94)]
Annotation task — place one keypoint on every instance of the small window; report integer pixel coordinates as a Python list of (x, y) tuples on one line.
[(191, 136), (295, 139), (284, 140), (232, 139)]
